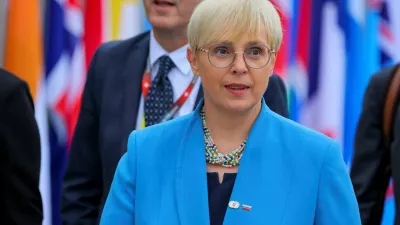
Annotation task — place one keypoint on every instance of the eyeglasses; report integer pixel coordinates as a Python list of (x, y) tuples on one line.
[(223, 55)]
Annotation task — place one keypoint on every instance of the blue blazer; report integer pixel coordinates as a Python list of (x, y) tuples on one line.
[(288, 175)]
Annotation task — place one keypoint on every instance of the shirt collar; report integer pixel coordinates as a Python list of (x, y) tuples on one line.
[(178, 56)]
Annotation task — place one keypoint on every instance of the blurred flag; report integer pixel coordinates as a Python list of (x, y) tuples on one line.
[(323, 107), (299, 61), (357, 73), (74, 30), (93, 30), (123, 19), (24, 57), (389, 31), (284, 8), (65, 78)]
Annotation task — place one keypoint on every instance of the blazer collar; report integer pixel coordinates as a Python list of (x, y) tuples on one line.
[(262, 182)]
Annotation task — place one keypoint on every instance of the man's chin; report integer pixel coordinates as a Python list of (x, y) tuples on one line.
[(162, 23)]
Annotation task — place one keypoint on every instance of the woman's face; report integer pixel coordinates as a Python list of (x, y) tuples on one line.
[(236, 85)]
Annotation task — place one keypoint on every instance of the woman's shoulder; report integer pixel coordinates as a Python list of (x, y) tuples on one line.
[(309, 150), (303, 140)]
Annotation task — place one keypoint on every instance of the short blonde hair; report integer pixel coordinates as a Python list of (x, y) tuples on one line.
[(220, 20)]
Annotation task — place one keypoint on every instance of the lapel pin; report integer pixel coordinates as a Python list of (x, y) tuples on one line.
[(234, 204), (246, 207)]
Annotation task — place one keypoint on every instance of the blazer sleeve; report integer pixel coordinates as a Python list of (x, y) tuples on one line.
[(120, 204), (336, 201), (370, 169), (20, 133), (276, 96), (82, 183)]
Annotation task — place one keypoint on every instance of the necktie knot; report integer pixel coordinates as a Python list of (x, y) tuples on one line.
[(166, 64)]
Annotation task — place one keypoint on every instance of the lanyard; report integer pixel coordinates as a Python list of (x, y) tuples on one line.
[(146, 83)]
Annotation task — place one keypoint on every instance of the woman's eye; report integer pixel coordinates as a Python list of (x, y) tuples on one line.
[(255, 52), (221, 51)]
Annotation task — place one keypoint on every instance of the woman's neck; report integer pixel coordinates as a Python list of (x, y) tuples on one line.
[(229, 129)]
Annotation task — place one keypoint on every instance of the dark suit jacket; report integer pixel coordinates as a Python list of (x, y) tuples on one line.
[(108, 114), (373, 164), (20, 199)]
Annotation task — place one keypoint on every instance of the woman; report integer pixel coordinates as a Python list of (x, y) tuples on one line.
[(232, 161)]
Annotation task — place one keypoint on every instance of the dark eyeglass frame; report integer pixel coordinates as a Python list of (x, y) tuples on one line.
[(271, 52)]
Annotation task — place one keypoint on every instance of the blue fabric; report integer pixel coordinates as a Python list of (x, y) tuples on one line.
[(160, 97), (288, 175)]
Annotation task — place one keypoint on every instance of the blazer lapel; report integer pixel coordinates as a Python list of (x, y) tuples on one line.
[(132, 84), (263, 178), (191, 175)]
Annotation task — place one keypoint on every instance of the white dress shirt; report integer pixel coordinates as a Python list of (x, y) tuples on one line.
[(180, 77)]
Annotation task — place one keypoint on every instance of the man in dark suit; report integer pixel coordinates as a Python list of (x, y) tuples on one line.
[(20, 199), (373, 163), (113, 103)]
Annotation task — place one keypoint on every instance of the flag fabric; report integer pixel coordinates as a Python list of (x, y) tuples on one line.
[(284, 8), (323, 107), (389, 32), (23, 56), (93, 28), (74, 30), (65, 77), (123, 19), (299, 58), (3, 20), (357, 75)]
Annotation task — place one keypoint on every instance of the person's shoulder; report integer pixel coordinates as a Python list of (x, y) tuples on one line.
[(9, 83), (385, 71), (302, 140), (381, 79), (158, 135), (117, 49), (113, 56), (276, 80)]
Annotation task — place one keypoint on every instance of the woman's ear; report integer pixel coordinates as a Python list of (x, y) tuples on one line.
[(191, 57), (272, 66)]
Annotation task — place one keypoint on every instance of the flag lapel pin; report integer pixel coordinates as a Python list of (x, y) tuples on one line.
[(246, 207)]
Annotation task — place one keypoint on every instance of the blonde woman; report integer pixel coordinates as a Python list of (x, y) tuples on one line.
[(233, 160)]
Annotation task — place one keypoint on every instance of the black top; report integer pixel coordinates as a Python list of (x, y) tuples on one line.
[(219, 195), (20, 200)]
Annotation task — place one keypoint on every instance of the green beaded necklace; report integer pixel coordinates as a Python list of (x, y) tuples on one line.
[(213, 156)]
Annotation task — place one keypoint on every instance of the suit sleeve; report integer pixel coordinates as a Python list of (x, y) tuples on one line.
[(276, 96), (19, 132), (82, 184), (370, 171), (336, 203), (120, 204)]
